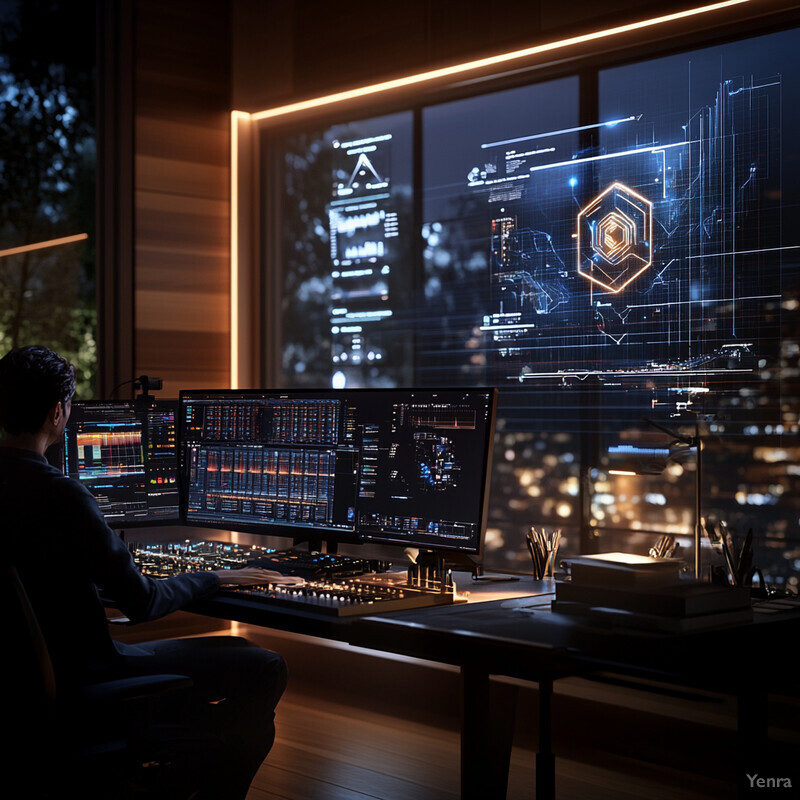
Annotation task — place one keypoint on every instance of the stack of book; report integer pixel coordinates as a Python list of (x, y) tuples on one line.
[(647, 593)]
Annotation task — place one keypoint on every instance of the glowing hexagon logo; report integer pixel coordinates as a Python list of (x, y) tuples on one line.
[(615, 238)]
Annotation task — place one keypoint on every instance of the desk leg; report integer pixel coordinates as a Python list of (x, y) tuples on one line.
[(752, 739), (545, 759), (487, 730)]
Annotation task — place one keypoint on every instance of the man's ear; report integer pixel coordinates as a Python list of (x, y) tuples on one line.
[(56, 413)]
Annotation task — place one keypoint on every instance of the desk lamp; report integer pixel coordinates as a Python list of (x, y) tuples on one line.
[(632, 460)]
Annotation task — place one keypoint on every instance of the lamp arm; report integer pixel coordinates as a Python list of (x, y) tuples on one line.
[(696, 442), (692, 441)]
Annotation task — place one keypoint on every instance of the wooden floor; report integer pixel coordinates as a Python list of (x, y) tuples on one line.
[(353, 740), (325, 751), (356, 725)]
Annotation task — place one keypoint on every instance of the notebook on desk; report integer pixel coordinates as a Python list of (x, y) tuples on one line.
[(622, 590), (623, 570)]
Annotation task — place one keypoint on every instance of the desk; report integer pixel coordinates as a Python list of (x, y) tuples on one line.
[(478, 639), (519, 637), (523, 639)]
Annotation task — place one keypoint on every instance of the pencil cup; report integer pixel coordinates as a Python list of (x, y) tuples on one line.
[(543, 547)]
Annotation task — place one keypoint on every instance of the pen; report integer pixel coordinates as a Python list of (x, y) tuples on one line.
[(743, 568), (726, 551)]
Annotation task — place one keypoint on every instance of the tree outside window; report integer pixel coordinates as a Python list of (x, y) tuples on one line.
[(47, 180)]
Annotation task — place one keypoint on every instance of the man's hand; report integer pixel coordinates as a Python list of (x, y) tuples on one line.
[(250, 576)]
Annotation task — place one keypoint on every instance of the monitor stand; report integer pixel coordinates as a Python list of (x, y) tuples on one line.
[(432, 569), (316, 544), (463, 562)]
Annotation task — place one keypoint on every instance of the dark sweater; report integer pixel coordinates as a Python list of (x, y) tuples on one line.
[(54, 534)]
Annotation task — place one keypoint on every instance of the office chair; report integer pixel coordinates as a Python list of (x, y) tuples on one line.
[(102, 743)]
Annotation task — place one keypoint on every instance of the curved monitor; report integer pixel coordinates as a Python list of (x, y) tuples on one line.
[(395, 466)]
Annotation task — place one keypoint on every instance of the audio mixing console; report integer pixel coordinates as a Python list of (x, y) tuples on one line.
[(367, 594), (333, 584)]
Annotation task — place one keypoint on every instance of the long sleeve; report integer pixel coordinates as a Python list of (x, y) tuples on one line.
[(111, 568), (55, 535)]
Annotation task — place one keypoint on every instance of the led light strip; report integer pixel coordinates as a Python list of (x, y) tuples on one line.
[(491, 61), (399, 83), (236, 116), (27, 248)]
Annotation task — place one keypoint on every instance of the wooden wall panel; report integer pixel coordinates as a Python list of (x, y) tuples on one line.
[(185, 360), (182, 193), (287, 50), (182, 139)]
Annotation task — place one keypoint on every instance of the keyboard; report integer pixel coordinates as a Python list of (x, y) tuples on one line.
[(365, 594)]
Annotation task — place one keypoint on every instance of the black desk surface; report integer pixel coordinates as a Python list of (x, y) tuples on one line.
[(305, 619), (518, 635)]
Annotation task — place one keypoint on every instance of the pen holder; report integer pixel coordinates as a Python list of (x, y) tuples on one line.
[(543, 548)]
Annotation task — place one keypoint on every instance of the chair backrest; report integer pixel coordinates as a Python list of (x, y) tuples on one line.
[(29, 659), (93, 747), (29, 686)]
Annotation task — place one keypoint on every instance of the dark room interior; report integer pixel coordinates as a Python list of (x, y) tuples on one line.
[(522, 283)]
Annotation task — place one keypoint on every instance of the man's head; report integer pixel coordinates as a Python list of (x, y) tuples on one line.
[(33, 380)]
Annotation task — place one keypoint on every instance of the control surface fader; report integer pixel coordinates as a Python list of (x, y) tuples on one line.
[(367, 594)]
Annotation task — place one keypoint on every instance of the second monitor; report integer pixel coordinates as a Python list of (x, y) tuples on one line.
[(125, 454), (383, 465)]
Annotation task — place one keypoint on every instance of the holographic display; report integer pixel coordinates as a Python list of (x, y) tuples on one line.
[(348, 246), (612, 246), (641, 252)]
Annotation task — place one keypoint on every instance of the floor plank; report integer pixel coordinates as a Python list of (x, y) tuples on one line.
[(327, 751), (331, 751), (355, 725)]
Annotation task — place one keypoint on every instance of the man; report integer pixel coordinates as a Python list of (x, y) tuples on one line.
[(64, 552)]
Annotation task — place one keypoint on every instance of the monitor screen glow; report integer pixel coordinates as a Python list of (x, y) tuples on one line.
[(390, 466)]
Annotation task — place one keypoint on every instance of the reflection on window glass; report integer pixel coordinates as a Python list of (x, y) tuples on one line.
[(47, 172), (706, 309), (494, 235), (494, 238), (629, 282), (347, 254)]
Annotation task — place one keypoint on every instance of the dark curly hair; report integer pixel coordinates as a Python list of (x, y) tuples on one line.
[(32, 380)]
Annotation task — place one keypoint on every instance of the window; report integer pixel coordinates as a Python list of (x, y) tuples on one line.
[(47, 175), (615, 249)]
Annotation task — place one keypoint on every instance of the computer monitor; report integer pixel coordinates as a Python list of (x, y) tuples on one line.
[(408, 467), (125, 454)]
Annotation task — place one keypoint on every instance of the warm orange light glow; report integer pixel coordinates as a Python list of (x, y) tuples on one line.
[(26, 248), (234, 334), (482, 63)]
